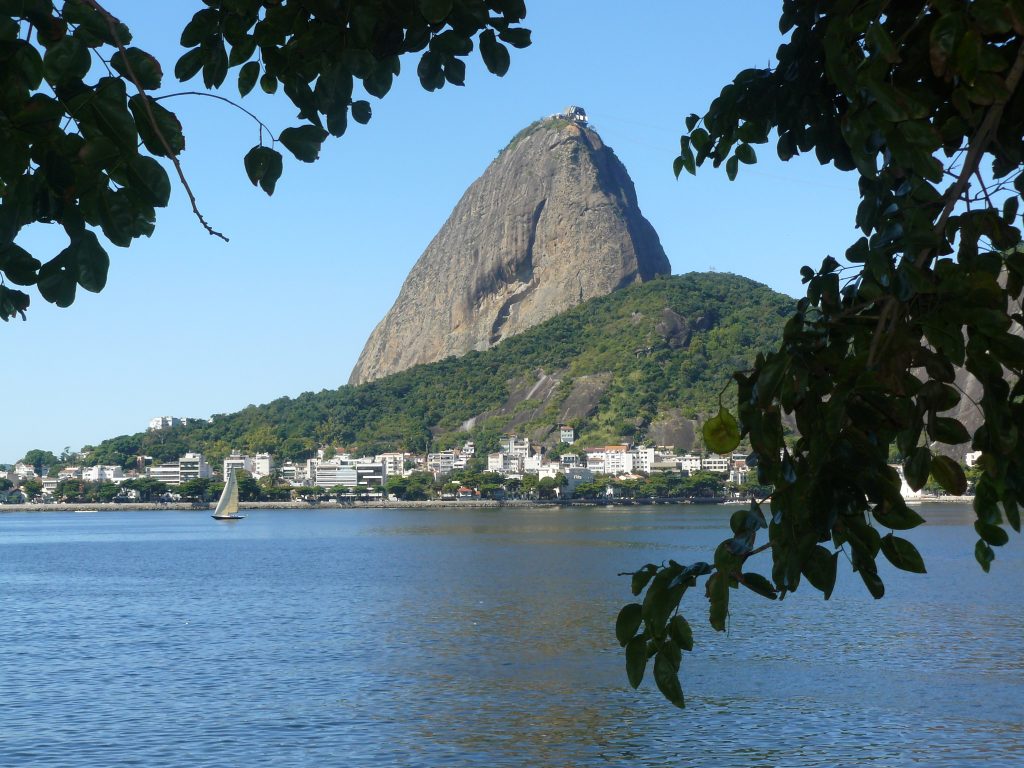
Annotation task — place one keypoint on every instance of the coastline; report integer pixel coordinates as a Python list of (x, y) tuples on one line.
[(179, 506)]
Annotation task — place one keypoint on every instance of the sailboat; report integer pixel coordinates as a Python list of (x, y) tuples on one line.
[(227, 506)]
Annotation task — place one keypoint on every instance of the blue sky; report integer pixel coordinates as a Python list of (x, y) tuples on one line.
[(190, 326)]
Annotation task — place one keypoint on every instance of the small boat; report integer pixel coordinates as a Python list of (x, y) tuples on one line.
[(227, 506)]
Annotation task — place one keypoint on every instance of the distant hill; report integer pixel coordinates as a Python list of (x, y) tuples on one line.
[(551, 223), (636, 365)]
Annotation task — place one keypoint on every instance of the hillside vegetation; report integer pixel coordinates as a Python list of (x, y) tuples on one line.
[(612, 367)]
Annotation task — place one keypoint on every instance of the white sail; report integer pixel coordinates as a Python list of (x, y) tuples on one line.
[(228, 504)]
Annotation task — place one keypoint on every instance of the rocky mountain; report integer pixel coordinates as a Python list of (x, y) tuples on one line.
[(552, 223), (646, 363)]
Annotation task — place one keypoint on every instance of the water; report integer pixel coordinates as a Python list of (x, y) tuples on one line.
[(480, 638)]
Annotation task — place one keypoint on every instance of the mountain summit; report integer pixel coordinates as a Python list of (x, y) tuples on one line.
[(552, 222)]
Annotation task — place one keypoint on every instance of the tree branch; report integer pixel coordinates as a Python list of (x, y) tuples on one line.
[(112, 23)]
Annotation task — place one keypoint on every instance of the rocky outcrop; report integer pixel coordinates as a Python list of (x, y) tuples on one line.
[(552, 223)]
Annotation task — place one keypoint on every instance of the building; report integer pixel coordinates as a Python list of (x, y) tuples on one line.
[(293, 473), (566, 434), (262, 465), (394, 463), (103, 473), (517, 446), (505, 463), (191, 466), (643, 459), (237, 462), (575, 114), (575, 476), (690, 463), (353, 474), (164, 422), (714, 463), (26, 471)]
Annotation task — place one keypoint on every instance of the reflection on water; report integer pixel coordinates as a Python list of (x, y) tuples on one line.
[(480, 637)]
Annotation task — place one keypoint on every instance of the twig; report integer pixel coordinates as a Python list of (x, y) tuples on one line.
[(263, 126), (112, 26)]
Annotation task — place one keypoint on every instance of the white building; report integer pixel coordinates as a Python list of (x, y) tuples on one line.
[(24, 471), (505, 463), (237, 462), (611, 460), (394, 463), (532, 464), (193, 466), (643, 459), (566, 434), (691, 463), (164, 422), (165, 473), (103, 473), (715, 463), (293, 473), (517, 446), (262, 465)]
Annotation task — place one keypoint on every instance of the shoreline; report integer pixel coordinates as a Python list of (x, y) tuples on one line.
[(179, 506)]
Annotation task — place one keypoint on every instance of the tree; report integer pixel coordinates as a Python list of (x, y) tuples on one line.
[(82, 154), (922, 100), (38, 459)]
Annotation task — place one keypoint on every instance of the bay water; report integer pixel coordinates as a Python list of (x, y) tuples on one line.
[(482, 637)]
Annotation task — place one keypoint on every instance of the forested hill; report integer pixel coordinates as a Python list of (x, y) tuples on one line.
[(636, 365)]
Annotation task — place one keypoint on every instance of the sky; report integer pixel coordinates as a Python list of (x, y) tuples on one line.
[(191, 326)]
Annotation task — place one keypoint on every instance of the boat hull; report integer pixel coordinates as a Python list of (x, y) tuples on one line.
[(227, 517)]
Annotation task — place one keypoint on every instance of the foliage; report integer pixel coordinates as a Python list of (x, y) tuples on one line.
[(81, 133), (922, 101), (616, 334), (38, 459)]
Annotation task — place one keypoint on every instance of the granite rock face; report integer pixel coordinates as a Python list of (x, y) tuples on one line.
[(552, 223)]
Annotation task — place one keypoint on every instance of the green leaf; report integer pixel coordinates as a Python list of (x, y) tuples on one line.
[(745, 154), (902, 554), (948, 430), (517, 38), (58, 280), (268, 83), (66, 61), (628, 622), (147, 177), (917, 466), (718, 594), (991, 533), (873, 583), (897, 516), (91, 259), (215, 64), (495, 55), (819, 567), (304, 142), (636, 660), (732, 167), (18, 265), (12, 303), (949, 475), (681, 633), (146, 68), (721, 433), (641, 577), (435, 11), (263, 166), (247, 76), (189, 64), (984, 555), (166, 121), (666, 674), (755, 582), (361, 112)]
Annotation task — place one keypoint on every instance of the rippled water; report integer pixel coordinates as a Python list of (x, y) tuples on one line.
[(480, 638)]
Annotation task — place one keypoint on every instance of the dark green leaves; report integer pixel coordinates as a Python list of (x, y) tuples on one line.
[(247, 77), (495, 55), (304, 142), (628, 622), (902, 554), (636, 660), (166, 125), (83, 262), (435, 10), (721, 433), (666, 673), (263, 166), (758, 584), (949, 475), (66, 61), (144, 67)]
